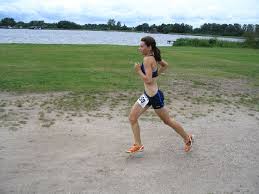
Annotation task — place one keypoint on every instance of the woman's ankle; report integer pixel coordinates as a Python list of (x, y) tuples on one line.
[(138, 144)]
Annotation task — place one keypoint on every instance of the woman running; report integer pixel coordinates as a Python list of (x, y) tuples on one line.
[(148, 72)]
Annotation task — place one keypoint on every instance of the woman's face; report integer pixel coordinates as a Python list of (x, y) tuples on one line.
[(144, 49)]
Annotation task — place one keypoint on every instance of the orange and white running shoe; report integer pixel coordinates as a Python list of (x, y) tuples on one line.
[(188, 144), (135, 148)]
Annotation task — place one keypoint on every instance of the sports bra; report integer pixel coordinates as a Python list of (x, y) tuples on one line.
[(154, 73)]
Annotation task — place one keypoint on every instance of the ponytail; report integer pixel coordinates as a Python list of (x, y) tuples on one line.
[(157, 54), (150, 41)]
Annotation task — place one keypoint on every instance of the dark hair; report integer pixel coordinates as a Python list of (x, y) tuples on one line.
[(150, 41)]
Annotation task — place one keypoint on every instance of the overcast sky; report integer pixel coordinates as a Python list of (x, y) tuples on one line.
[(134, 12)]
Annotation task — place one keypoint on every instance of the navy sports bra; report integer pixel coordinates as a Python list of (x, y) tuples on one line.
[(154, 73)]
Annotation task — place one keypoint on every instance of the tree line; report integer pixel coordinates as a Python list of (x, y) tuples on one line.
[(112, 24)]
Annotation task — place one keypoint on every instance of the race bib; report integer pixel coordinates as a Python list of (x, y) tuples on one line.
[(143, 100)]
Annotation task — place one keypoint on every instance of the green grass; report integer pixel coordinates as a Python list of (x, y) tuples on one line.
[(98, 68), (215, 62)]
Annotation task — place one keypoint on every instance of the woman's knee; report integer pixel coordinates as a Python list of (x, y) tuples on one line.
[(132, 118), (167, 121)]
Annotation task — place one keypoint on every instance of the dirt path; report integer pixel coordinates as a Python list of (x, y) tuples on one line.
[(45, 150)]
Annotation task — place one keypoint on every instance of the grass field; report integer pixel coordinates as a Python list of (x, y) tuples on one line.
[(94, 73), (27, 67)]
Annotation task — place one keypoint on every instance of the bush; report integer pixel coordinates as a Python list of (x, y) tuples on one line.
[(213, 42), (251, 41)]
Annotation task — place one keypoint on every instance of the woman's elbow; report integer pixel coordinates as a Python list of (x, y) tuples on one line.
[(166, 64)]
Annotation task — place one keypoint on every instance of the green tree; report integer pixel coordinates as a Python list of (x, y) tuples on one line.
[(143, 27), (68, 25), (250, 28), (8, 22), (20, 24), (167, 28), (111, 22), (124, 27), (238, 29), (118, 24), (38, 23), (153, 28)]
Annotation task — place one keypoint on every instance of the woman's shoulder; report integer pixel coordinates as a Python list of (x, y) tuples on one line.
[(149, 59)]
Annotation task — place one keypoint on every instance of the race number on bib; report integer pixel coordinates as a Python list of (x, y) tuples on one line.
[(143, 100)]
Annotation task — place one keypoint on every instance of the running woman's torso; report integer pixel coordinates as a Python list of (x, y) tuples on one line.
[(152, 87)]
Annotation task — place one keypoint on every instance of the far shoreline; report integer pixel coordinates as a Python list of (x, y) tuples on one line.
[(186, 34)]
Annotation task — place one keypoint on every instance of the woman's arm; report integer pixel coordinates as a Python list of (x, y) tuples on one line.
[(163, 66), (148, 70)]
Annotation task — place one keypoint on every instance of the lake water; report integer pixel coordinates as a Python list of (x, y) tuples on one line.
[(87, 37)]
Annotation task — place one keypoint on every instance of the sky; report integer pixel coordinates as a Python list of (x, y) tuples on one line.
[(134, 12)]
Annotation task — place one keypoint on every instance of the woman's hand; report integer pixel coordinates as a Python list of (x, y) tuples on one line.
[(137, 67), (163, 67)]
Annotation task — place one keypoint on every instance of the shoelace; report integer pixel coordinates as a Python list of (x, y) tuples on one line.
[(134, 147)]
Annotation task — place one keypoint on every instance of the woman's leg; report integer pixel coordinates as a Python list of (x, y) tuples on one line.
[(165, 117), (135, 113)]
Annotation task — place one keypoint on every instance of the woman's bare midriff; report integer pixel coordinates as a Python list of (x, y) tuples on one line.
[(151, 88)]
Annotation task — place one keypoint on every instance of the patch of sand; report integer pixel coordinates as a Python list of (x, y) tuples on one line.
[(48, 150)]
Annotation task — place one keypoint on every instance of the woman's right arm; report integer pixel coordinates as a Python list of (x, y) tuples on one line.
[(163, 66)]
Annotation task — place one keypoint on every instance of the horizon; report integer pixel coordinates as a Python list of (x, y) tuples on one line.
[(56, 22), (195, 12)]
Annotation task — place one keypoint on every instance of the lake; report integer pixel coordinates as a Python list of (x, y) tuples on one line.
[(87, 37)]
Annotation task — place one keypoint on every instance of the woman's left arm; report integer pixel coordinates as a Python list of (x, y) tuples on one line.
[(163, 66)]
